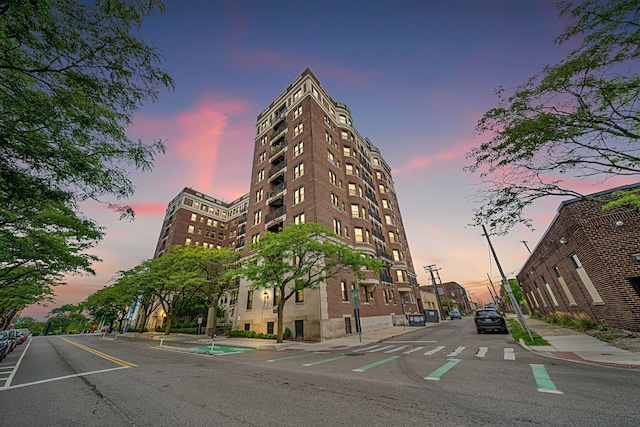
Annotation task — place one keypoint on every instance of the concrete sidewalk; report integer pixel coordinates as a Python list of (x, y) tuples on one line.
[(564, 343)]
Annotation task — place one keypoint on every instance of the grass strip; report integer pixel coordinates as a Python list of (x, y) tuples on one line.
[(517, 333)]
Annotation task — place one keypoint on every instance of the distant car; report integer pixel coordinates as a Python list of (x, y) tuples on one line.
[(455, 314), (490, 320), (5, 344)]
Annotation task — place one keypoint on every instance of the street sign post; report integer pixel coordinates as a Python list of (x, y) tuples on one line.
[(355, 303)]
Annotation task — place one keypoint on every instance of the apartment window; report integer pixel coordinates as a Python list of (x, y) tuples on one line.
[(298, 171), (199, 230), (298, 148), (257, 217), (263, 141), (382, 188), (297, 95), (575, 260), (367, 236), (344, 290), (337, 227), (328, 137), (392, 237), (259, 195), (202, 219), (355, 211), (388, 219), (385, 204), (255, 238), (297, 130), (297, 112), (194, 217), (342, 119), (376, 161), (352, 189), (191, 229), (188, 202), (187, 241), (264, 125), (358, 234), (315, 92), (396, 255), (262, 157), (327, 121), (347, 151), (344, 134), (298, 196), (332, 177), (300, 295), (331, 158), (349, 169), (402, 275), (299, 219), (335, 201), (260, 175), (249, 300)]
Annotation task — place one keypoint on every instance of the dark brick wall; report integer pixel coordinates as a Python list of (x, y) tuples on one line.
[(604, 242)]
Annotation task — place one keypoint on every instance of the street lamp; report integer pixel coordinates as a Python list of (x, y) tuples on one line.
[(265, 296)]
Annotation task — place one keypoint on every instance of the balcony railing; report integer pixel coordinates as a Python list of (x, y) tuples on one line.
[(276, 149), (277, 168), (279, 130), (386, 278), (378, 234), (277, 190), (385, 255), (371, 197), (275, 214)]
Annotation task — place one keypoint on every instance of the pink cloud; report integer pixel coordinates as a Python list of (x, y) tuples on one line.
[(454, 153)]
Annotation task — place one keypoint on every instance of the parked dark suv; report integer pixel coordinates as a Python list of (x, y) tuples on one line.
[(490, 320)]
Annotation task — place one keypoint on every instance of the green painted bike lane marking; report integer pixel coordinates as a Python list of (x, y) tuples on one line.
[(435, 375), (223, 349), (374, 364), (294, 357), (325, 361), (545, 385)]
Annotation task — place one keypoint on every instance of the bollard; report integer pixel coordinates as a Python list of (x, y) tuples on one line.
[(161, 339), (213, 343)]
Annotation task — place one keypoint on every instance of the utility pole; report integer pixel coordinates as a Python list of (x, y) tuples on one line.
[(526, 246), (497, 299), (493, 296), (429, 268), (444, 290), (507, 287)]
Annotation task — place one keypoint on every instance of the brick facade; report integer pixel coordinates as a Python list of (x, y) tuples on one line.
[(588, 262)]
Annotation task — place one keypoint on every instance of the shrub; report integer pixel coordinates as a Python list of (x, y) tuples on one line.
[(250, 334), (287, 333)]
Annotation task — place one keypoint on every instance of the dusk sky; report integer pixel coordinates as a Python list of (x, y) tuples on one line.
[(417, 76)]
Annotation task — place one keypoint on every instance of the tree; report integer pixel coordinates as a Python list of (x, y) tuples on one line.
[(72, 74), (302, 256), (576, 119), (208, 270), (112, 302), (30, 323)]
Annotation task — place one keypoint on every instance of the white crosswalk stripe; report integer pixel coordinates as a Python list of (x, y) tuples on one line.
[(393, 350), (380, 349), (456, 352), (509, 354), (434, 351), (413, 350), (482, 352)]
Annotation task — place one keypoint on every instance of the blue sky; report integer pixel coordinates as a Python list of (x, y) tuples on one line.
[(417, 75)]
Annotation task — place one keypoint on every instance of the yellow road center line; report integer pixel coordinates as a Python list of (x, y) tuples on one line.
[(100, 354)]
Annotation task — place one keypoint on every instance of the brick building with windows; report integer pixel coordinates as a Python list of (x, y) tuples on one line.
[(194, 218), (588, 261), (456, 294), (309, 164)]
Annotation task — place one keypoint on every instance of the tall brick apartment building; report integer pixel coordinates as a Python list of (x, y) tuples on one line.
[(588, 261), (310, 164)]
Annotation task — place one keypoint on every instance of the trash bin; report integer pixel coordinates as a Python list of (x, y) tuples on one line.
[(431, 315), (416, 319)]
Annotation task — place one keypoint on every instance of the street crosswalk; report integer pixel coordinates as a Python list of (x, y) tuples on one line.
[(508, 353)]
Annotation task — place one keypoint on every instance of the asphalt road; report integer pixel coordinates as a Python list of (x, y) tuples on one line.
[(446, 375)]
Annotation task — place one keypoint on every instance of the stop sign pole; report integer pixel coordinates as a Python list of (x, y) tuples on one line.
[(355, 303)]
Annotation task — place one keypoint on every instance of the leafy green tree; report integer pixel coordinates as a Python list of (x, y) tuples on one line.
[(208, 271), (576, 119), (302, 256), (30, 323), (72, 74), (111, 303)]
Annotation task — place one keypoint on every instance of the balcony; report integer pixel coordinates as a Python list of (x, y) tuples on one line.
[(371, 197), (279, 130), (277, 150), (375, 216), (386, 278), (277, 168), (277, 190), (377, 234), (275, 214), (385, 255)]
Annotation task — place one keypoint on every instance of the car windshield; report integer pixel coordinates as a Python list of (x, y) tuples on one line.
[(486, 313)]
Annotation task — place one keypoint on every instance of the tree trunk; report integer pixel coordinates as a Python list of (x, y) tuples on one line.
[(167, 326), (280, 321)]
